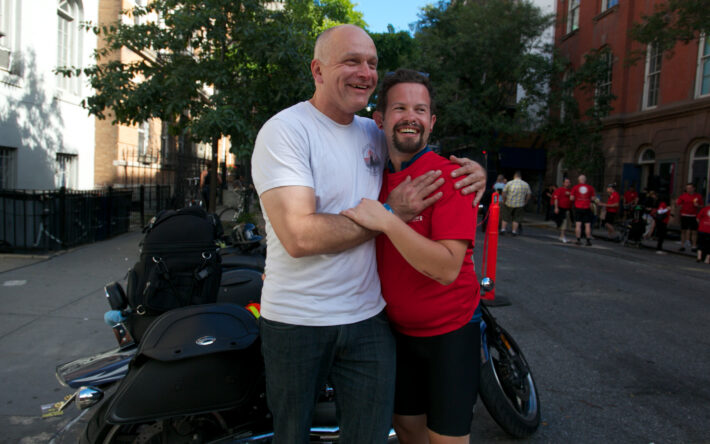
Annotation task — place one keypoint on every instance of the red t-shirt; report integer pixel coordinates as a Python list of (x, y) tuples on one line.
[(418, 305), (613, 199), (583, 194), (562, 195), (704, 220), (687, 205), (630, 195)]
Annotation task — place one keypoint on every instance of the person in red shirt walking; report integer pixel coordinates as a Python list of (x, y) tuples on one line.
[(562, 206), (427, 275), (703, 218), (689, 203), (661, 216), (581, 197), (612, 210)]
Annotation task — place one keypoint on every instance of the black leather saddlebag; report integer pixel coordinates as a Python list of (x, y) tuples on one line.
[(192, 360)]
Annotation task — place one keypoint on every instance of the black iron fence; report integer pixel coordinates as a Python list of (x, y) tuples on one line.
[(41, 221)]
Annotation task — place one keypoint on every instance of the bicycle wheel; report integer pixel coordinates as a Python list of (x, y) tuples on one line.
[(229, 215)]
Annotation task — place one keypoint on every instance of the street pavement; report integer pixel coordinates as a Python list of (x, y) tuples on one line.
[(51, 311), (617, 337)]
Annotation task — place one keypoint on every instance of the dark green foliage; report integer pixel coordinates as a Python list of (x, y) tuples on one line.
[(673, 21), (210, 68)]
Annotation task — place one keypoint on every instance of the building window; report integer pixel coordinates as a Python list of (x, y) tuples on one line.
[(8, 167), (652, 82), (139, 19), (699, 173), (702, 87), (647, 161), (608, 4), (66, 170), (573, 16), (8, 21), (603, 86), (69, 43), (143, 139)]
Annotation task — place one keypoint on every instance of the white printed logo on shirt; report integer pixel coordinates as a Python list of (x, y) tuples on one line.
[(583, 190)]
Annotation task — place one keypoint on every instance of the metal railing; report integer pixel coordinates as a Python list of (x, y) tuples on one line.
[(42, 221)]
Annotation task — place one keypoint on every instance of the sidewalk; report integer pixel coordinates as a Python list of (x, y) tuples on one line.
[(669, 245)]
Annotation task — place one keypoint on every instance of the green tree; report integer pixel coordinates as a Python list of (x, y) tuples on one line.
[(673, 21), (478, 53), (394, 50), (209, 68), (577, 133)]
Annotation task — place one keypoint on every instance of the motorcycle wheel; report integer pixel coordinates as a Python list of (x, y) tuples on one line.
[(203, 428), (507, 387)]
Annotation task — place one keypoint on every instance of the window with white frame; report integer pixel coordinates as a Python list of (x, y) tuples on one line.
[(699, 173), (702, 82), (652, 80), (647, 161), (8, 22), (603, 86), (573, 15), (143, 140), (66, 170), (139, 19), (608, 4), (8, 167), (69, 42)]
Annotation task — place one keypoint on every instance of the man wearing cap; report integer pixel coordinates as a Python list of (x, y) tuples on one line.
[(612, 209)]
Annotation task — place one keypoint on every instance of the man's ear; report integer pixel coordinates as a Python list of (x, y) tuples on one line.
[(433, 121), (316, 71), (378, 118)]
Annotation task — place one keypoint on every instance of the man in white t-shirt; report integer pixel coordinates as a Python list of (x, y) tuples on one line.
[(322, 310)]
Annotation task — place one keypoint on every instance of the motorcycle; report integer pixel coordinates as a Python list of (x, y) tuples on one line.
[(196, 373)]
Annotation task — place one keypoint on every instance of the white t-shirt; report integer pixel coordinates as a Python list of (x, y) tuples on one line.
[(300, 146)]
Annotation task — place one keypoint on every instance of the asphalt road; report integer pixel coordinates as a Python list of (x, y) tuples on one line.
[(617, 338)]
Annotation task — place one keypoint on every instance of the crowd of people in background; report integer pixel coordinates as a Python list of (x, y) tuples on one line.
[(629, 217)]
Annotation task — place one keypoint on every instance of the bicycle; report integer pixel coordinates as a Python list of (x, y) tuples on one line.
[(193, 197), (44, 231)]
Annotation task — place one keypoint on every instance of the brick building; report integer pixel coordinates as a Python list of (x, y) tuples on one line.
[(145, 153), (658, 134)]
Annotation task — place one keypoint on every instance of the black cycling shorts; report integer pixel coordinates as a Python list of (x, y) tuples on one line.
[(688, 223), (438, 376), (610, 218), (583, 215)]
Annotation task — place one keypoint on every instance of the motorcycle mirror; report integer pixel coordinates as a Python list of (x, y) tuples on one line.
[(487, 284), (87, 397), (116, 296)]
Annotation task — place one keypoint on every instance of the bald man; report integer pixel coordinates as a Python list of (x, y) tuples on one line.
[(322, 309)]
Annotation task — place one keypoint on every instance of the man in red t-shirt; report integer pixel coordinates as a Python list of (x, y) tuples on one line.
[(561, 205), (581, 196), (612, 210), (631, 199), (426, 272), (703, 218), (689, 203)]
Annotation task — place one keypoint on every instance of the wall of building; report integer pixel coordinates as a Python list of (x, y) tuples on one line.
[(672, 128), (37, 119)]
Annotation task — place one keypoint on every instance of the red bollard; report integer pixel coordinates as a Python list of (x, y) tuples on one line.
[(490, 244)]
